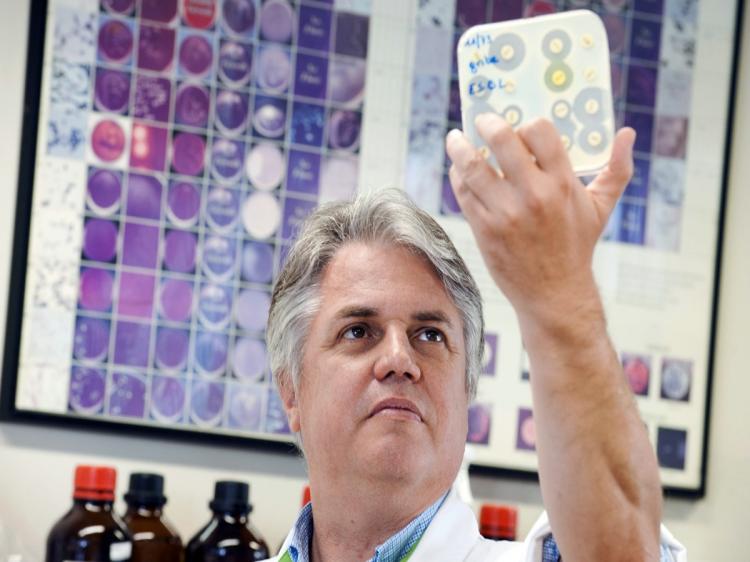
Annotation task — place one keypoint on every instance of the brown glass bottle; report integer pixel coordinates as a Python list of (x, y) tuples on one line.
[(91, 531), (228, 536), (154, 539)]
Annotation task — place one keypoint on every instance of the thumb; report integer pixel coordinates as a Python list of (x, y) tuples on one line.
[(607, 187)]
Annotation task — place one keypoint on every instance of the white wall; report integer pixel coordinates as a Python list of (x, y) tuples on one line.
[(36, 463)]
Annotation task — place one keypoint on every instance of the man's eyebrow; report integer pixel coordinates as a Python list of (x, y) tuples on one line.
[(356, 312), (432, 316)]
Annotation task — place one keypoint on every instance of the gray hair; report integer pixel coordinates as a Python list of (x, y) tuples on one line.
[(378, 216)]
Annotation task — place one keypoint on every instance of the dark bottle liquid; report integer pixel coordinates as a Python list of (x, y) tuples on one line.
[(91, 531), (228, 536), (154, 540), (498, 522)]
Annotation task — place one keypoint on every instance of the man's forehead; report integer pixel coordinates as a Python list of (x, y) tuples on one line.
[(369, 276)]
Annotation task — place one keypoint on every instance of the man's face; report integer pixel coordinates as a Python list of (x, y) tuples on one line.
[(382, 392)]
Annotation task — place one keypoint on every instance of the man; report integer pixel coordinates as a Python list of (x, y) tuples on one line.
[(375, 336)]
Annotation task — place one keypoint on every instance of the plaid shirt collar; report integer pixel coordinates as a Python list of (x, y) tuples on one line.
[(391, 550)]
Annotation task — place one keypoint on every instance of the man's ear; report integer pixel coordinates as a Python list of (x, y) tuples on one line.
[(289, 399)]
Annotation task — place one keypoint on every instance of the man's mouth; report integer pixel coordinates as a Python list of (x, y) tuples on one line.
[(397, 408)]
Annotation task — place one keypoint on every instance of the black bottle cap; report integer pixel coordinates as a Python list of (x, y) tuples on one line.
[(230, 496), (146, 489)]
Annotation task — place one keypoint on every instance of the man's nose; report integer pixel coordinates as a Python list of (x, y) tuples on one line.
[(396, 356)]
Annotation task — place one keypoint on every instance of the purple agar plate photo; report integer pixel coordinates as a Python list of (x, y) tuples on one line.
[(265, 166), (176, 300), (338, 178), (144, 197), (149, 147), (303, 172), (172, 345), (210, 353), (180, 248), (206, 402), (308, 121), (257, 262), (249, 359), (489, 356), (183, 203), (127, 395), (103, 192), (276, 420), (162, 11), (261, 215), (132, 340), (136, 294), (346, 81), (155, 48), (100, 240), (344, 129), (87, 388), (222, 209), (188, 153), (235, 63), (273, 69), (311, 76), (251, 310), (219, 257), (231, 112), (269, 119), (115, 41), (245, 409), (108, 140), (152, 98), (215, 306), (314, 28), (121, 7), (637, 369), (227, 160), (140, 245), (192, 105), (480, 423), (91, 339), (526, 433), (95, 289), (112, 90), (167, 398), (295, 212), (277, 21), (351, 34), (671, 447), (195, 55), (238, 16), (676, 378)]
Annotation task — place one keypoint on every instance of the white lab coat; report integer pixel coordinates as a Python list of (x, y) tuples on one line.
[(453, 536)]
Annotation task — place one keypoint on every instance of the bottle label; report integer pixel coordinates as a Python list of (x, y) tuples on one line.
[(120, 551)]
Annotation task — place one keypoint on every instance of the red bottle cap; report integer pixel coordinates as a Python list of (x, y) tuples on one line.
[(95, 483), (306, 496), (498, 522)]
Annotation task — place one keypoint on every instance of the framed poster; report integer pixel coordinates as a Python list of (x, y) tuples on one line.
[(672, 72), (171, 149)]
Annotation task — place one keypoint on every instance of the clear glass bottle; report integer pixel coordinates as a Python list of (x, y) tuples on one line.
[(154, 539), (228, 536), (91, 531)]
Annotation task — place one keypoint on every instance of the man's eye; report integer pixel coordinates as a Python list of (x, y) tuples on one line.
[(355, 333), (432, 335)]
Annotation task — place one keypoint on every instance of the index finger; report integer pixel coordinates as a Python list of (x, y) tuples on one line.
[(511, 153)]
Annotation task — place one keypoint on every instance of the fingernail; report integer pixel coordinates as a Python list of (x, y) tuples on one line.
[(453, 134)]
